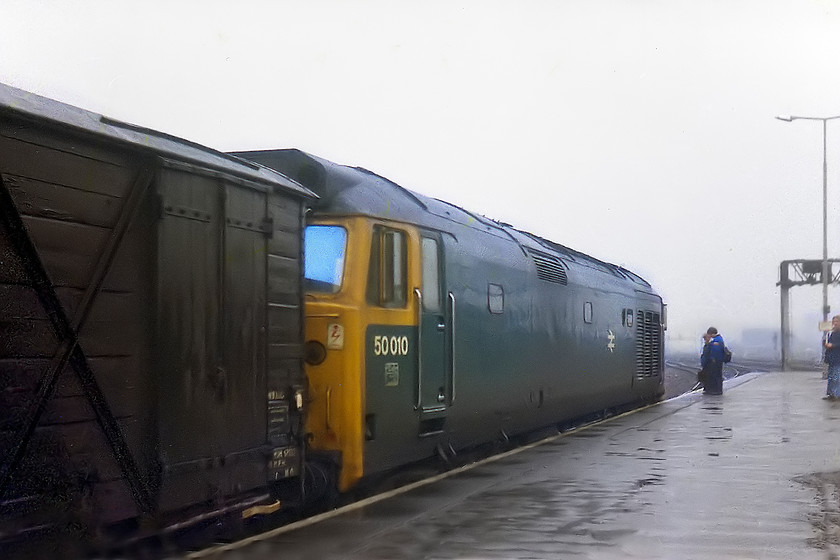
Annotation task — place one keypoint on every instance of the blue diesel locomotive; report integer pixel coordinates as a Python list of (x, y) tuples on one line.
[(429, 328)]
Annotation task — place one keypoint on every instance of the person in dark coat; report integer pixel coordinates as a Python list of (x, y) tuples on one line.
[(832, 358), (712, 362)]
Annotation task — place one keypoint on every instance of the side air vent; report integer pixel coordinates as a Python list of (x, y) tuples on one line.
[(648, 344), (549, 268)]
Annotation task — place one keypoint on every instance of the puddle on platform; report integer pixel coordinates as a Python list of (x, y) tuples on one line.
[(826, 522)]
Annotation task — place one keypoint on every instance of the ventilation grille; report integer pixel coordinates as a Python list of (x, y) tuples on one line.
[(648, 344), (549, 268)]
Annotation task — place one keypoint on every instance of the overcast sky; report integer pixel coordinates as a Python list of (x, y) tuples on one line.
[(638, 131)]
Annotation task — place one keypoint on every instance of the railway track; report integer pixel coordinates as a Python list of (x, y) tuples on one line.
[(681, 373)]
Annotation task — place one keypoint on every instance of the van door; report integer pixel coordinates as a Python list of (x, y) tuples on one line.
[(211, 317)]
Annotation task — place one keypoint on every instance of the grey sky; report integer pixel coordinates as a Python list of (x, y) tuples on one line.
[(641, 132)]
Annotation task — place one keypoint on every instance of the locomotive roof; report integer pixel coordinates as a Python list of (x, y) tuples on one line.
[(354, 190), (46, 112)]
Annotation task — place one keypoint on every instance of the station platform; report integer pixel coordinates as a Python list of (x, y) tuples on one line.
[(753, 473)]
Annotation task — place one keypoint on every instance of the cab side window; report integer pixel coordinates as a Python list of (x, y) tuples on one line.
[(387, 284), (431, 275)]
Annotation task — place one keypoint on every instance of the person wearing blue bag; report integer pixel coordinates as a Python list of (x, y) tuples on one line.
[(832, 358), (712, 359)]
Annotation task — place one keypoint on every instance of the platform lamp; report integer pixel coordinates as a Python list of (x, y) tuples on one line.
[(825, 272)]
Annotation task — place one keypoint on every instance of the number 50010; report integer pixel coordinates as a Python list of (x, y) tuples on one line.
[(390, 345)]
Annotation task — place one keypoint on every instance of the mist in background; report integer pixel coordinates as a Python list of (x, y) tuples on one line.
[(639, 132)]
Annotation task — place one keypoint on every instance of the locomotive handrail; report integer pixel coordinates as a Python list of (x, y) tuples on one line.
[(419, 348), (452, 346), (328, 405)]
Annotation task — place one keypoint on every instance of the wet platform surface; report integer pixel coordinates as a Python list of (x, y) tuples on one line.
[(749, 474)]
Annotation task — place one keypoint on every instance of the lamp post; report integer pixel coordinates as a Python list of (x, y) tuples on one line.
[(825, 278)]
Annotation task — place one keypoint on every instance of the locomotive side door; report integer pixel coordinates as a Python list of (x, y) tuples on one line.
[(433, 391)]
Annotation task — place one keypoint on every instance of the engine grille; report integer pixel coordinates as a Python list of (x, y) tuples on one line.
[(549, 268), (648, 344)]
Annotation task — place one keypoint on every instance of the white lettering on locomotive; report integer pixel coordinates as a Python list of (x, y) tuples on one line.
[(384, 345)]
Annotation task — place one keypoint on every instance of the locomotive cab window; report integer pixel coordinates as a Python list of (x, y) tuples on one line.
[(387, 273), (587, 312), (431, 275), (324, 252)]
